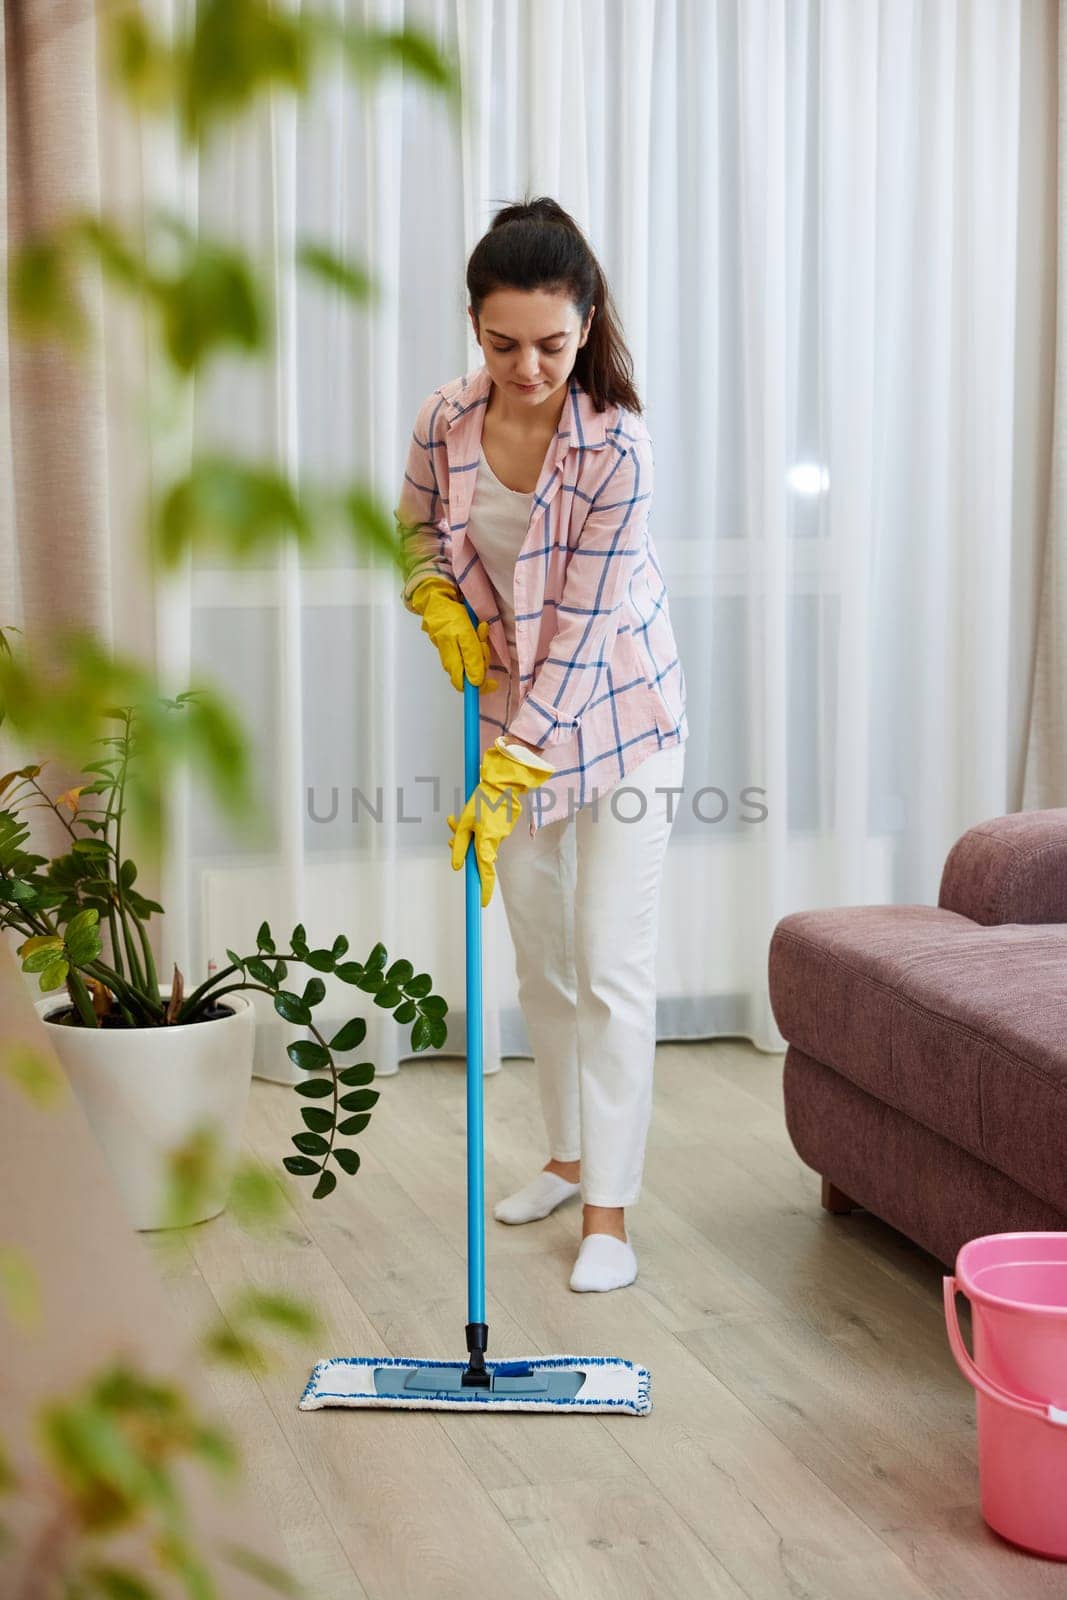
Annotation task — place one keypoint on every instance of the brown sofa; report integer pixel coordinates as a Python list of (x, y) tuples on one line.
[(926, 1074)]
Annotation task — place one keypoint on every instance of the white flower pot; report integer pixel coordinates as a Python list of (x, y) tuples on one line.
[(145, 1091)]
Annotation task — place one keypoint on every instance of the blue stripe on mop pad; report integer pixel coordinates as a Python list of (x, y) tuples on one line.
[(611, 1385)]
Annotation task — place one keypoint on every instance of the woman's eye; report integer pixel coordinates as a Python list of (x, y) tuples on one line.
[(505, 349)]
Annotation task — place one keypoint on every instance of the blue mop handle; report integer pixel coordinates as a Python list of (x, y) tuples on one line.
[(475, 1106)]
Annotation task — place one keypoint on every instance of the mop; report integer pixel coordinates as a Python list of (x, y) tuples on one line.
[(576, 1384)]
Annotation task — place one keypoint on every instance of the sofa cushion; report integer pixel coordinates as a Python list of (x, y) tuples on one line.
[(960, 1026)]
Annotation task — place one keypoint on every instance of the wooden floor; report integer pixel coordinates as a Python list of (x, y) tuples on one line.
[(810, 1435)]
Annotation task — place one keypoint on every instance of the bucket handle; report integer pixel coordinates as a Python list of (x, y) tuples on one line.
[(978, 1380)]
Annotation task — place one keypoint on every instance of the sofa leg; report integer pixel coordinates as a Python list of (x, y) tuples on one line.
[(835, 1199)]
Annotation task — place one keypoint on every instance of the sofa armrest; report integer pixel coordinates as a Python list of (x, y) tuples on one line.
[(1010, 869)]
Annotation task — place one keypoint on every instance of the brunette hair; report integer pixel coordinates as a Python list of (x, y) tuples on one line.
[(535, 244)]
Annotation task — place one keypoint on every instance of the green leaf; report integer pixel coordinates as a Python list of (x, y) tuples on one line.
[(281, 972), (53, 976), (361, 1072), (258, 969), (371, 980), (388, 996), (21, 893), (321, 960), (434, 1006), (92, 849), (351, 1036), (229, 509), (127, 874), (212, 301), (326, 1185), (43, 294), (308, 1056), (268, 1573), (234, 959), (324, 264), (312, 1144), (237, 53), (317, 1118), (374, 533), (314, 990), (438, 1032), (420, 1034), (349, 972), (407, 1012), (359, 1100), (400, 972), (79, 924), (264, 941), (299, 941), (354, 1124), (140, 906), (279, 1310), (340, 947), (117, 1583), (300, 1165), (85, 946), (46, 953), (292, 1008), (315, 1088), (349, 1159), (378, 957)]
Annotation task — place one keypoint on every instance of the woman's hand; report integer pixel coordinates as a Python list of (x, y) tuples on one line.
[(464, 651), (492, 811)]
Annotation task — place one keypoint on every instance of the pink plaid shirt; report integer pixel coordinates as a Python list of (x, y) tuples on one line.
[(599, 685)]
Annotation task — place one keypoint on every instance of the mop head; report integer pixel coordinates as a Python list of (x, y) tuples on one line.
[(575, 1384)]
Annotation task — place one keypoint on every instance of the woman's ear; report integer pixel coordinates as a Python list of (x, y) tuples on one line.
[(474, 324), (588, 325)]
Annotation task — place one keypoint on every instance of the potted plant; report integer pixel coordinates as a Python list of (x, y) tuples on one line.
[(158, 1068)]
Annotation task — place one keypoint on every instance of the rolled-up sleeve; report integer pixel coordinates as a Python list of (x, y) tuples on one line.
[(425, 537), (611, 544)]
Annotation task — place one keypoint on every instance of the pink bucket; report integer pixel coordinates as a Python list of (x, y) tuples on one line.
[(1017, 1286)]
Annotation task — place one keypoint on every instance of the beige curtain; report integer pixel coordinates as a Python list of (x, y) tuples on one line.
[(1046, 750), (70, 493), (72, 483)]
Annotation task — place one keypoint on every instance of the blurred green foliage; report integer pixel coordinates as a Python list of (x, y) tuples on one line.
[(114, 1445)]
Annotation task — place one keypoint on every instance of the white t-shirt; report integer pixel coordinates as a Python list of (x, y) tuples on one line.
[(498, 520)]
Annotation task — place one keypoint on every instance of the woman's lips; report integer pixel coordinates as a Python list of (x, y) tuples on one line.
[(527, 388)]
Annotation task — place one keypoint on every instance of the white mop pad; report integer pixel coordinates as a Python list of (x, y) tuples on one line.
[(611, 1384)]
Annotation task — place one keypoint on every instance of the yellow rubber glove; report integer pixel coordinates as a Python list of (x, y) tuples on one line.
[(463, 650), (492, 811)]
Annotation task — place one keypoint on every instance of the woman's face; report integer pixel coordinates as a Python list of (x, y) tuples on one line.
[(530, 340)]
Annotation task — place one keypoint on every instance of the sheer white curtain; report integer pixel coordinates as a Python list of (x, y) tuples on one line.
[(829, 229)]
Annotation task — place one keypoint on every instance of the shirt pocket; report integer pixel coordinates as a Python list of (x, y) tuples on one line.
[(629, 663)]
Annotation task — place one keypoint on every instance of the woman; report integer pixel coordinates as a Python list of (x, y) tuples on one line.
[(527, 493)]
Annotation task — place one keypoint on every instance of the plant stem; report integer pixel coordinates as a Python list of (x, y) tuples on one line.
[(212, 999), (149, 962), (116, 948), (82, 999), (137, 977), (124, 992), (192, 1001), (50, 803)]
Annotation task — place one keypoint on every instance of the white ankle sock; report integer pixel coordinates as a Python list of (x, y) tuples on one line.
[(604, 1262), (540, 1196)]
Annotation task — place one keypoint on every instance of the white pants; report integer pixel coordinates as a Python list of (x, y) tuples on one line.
[(582, 902)]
